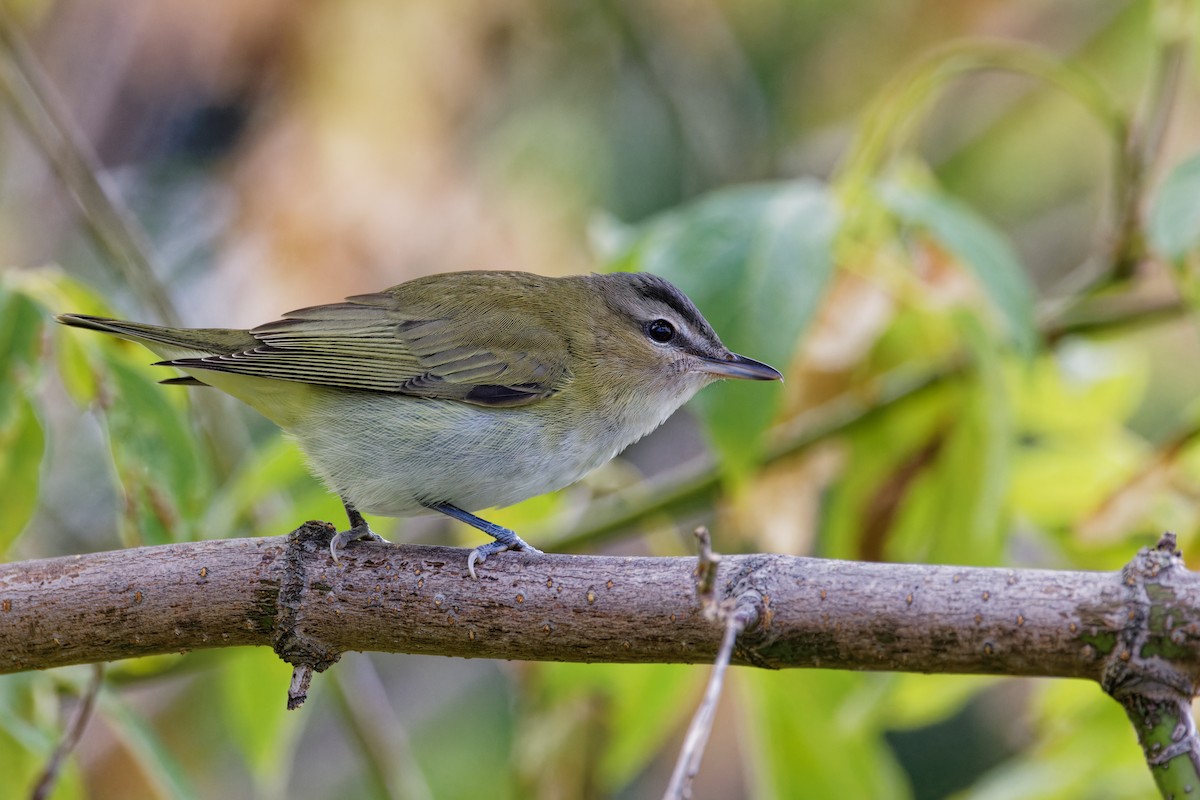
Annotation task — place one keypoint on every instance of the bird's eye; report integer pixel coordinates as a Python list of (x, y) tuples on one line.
[(660, 331)]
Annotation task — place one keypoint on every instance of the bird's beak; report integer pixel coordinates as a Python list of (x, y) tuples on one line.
[(735, 366)]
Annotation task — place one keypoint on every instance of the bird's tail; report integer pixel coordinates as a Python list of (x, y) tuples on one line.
[(167, 342)]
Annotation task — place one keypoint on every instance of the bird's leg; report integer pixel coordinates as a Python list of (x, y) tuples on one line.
[(505, 539), (359, 529)]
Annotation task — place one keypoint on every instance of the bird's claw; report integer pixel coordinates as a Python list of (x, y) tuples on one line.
[(343, 538), (481, 553)]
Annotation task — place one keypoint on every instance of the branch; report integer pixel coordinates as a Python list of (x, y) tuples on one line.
[(287, 593), (1145, 679), (734, 619)]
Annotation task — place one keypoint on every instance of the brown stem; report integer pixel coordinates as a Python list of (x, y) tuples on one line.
[(83, 712), (1141, 151), (287, 593)]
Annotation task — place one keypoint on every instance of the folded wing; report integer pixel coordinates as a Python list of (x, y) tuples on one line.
[(377, 342)]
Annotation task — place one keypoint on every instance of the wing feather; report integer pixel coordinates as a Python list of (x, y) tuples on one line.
[(378, 342)]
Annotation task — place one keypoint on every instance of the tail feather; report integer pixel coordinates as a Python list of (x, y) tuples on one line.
[(167, 342), (186, 380)]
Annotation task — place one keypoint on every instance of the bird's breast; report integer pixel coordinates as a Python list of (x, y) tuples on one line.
[(389, 454)]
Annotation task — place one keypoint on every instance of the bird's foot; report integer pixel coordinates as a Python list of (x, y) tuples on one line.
[(358, 532), (480, 554), (505, 539)]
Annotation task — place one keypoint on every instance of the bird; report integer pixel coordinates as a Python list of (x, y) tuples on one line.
[(458, 392)]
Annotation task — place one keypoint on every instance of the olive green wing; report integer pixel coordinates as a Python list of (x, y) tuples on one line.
[(486, 356)]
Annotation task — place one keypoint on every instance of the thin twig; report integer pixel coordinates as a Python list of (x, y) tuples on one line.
[(53, 130), (112, 225), (736, 620), (706, 568), (298, 689), (1140, 152), (688, 764), (71, 736)]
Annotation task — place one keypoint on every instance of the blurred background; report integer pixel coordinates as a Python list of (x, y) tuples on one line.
[(968, 231)]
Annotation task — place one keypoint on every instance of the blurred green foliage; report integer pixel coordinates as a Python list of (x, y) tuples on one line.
[(1054, 430)]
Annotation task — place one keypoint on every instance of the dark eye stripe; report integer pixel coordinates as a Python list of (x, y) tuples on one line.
[(655, 288)]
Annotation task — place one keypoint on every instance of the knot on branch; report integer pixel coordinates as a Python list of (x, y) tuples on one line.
[(742, 606), (1144, 660), (306, 653), (1143, 672)]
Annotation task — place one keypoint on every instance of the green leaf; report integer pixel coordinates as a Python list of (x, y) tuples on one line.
[(915, 701), (22, 438), (271, 490), (802, 744), (955, 513), (979, 246), (1071, 407), (48, 292), (157, 455), (255, 714), (75, 369), (1175, 217), (26, 747), (22, 445), (878, 447), (928, 479), (756, 260), (21, 324)]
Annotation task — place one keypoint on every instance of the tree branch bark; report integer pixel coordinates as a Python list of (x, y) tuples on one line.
[(285, 592), (1136, 632)]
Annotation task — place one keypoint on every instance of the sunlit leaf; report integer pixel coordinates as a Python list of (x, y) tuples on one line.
[(877, 449), (790, 756), (21, 324), (254, 714), (22, 445), (915, 701), (1175, 216), (979, 246), (156, 453), (954, 512), (52, 293), (75, 369), (756, 260), (1074, 448)]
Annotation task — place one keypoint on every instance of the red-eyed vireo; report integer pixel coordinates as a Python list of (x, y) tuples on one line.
[(464, 391)]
